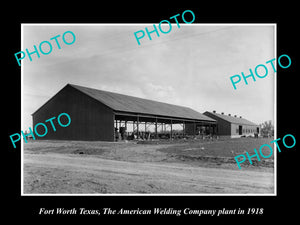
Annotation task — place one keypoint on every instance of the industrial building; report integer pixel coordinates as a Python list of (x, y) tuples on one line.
[(98, 115), (233, 126)]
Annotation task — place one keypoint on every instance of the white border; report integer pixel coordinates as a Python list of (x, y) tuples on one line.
[(275, 112), (139, 24), (22, 105)]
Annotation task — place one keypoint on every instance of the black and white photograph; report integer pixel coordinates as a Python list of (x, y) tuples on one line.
[(144, 112), (179, 109)]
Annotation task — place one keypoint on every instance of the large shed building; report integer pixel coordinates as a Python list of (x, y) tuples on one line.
[(96, 114), (233, 126)]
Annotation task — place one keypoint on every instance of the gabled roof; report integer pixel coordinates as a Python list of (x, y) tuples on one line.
[(130, 104), (231, 119)]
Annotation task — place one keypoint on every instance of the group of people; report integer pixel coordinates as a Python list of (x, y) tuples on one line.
[(123, 135)]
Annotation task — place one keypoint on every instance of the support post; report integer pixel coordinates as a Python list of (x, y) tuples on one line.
[(171, 131), (183, 131), (155, 127), (137, 127), (114, 136)]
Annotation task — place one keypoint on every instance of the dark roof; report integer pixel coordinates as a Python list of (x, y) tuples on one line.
[(129, 104), (231, 119)]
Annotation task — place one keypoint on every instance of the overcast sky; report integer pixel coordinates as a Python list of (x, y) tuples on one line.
[(190, 66)]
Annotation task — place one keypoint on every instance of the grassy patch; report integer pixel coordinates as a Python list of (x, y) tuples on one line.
[(222, 148)]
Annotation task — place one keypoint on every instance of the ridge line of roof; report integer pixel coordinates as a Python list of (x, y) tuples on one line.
[(72, 85), (230, 118), (130, 96)]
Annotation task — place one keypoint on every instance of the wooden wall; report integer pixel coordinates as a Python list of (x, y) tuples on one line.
[(90, 120)]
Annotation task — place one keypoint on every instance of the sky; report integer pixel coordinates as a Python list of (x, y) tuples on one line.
[(190, 66)]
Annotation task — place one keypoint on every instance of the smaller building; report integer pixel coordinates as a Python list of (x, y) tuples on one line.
[(233, 126)]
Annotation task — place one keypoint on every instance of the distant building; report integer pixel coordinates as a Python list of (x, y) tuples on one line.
[(233, 126)]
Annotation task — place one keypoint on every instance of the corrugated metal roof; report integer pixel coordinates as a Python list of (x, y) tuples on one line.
[(231, 119), (125, 103)]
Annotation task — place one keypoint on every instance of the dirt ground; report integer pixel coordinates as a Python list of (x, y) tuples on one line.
[(196, 167)]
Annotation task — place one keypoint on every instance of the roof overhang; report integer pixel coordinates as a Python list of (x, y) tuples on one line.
[(153, 118)]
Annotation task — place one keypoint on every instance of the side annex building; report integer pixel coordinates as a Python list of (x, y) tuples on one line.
[(233, 126)]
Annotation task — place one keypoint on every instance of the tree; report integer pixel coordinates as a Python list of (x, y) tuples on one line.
[(267, 129)]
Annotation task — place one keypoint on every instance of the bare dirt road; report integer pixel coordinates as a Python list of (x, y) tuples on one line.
[(53, 172)]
